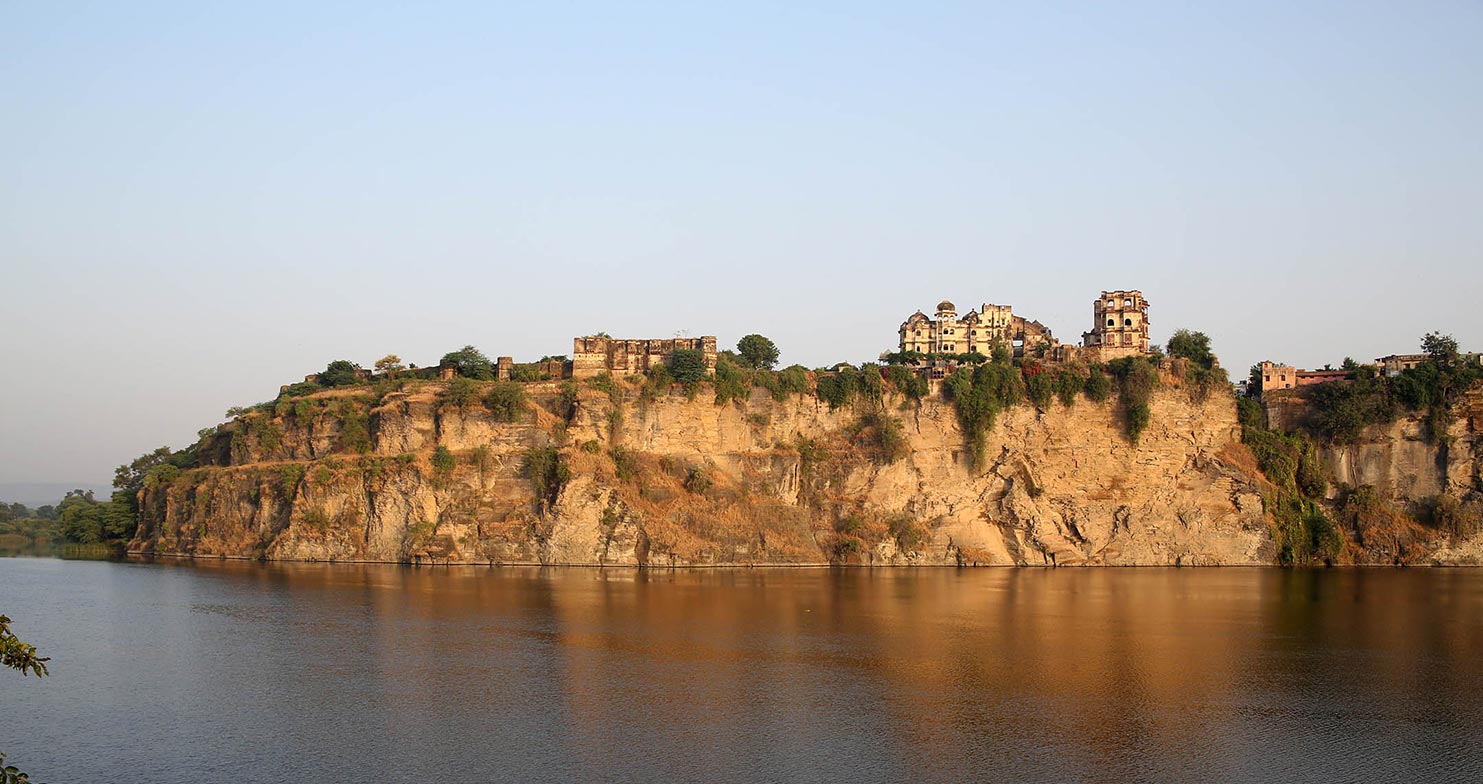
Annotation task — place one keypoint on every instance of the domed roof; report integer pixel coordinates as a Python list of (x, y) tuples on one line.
[(945, 305)]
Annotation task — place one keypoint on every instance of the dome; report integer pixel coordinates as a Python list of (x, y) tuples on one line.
[(945, 305)]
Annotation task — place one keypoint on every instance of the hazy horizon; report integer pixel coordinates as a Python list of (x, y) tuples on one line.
[(200, 204)]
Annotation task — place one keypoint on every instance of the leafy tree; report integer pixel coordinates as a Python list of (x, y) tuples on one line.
[(120, 515), (131, 476), (81, 517), (390, 365), (469, 362), (1441, 348), (340, 373), (1254, 381), (687, 365), (16, 654), (902, 357), (1193, 346), (757, 352), (506, 400), (443, 460)]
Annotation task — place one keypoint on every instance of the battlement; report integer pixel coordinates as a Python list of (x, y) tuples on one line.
[(597, 354)]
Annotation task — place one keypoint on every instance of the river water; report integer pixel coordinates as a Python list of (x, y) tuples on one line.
[(234, 672)]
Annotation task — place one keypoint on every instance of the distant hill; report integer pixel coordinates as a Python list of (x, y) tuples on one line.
[(34, 494)]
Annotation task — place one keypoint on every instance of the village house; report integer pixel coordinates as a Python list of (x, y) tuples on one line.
[(1278, 376), (1394, 364)]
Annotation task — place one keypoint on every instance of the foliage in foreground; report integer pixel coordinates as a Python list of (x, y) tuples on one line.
[(18, 655)]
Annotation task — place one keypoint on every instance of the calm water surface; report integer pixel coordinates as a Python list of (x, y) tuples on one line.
[(335, 673)]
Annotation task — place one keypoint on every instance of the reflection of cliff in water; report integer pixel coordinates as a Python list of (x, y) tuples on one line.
[(789, 674)]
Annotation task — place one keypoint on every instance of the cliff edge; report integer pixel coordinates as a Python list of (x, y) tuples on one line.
[(611, 474)]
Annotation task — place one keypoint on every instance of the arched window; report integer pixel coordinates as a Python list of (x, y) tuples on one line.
[(1111, 322), (1127, 322)]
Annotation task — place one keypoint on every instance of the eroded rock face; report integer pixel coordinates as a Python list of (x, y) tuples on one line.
[(675, 481)]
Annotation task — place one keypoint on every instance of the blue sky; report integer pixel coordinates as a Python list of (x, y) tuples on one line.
[(198, 204)]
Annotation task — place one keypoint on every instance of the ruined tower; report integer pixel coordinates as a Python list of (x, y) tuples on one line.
[(1119, 327)]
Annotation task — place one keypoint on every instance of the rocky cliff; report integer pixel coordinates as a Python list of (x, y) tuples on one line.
[(611, 475), (1410, 470), (618, 477)]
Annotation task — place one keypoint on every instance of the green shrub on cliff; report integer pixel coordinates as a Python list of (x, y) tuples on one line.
[(547, 472), (733, 382), (355, 430), (1137, 378), (979, 394), (1098, 386), (793, 380), (289, 477), (1303, 532), (461, 392), (1068, 382), (1040, 385), (906, 381), (838, 388), (882, 434), (506, 401), (687, 365)]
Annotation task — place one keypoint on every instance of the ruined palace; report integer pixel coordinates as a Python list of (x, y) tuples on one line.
[(598, 354), (1119, 327), (976, 331)]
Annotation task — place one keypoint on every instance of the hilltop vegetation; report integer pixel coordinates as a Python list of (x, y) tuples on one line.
[(1317, 517)]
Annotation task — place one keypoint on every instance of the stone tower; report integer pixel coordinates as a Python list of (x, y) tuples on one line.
[(1120, 326)]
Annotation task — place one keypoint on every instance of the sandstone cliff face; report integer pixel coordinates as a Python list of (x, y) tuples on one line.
[(671, 480), (1410, 471)]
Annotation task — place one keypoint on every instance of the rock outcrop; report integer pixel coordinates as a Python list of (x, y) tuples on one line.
[(671, 479)]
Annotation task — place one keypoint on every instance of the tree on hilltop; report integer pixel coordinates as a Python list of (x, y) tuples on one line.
[(389, 365), (1441, 348), (340, 373), (1193, 346), (469, 362), (757, 352)]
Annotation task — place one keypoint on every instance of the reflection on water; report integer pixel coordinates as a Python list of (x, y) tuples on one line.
[(236, 672)]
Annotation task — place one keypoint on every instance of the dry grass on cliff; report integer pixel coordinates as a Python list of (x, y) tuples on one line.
[(1239, 456), (697, 514), (1382, 533)]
